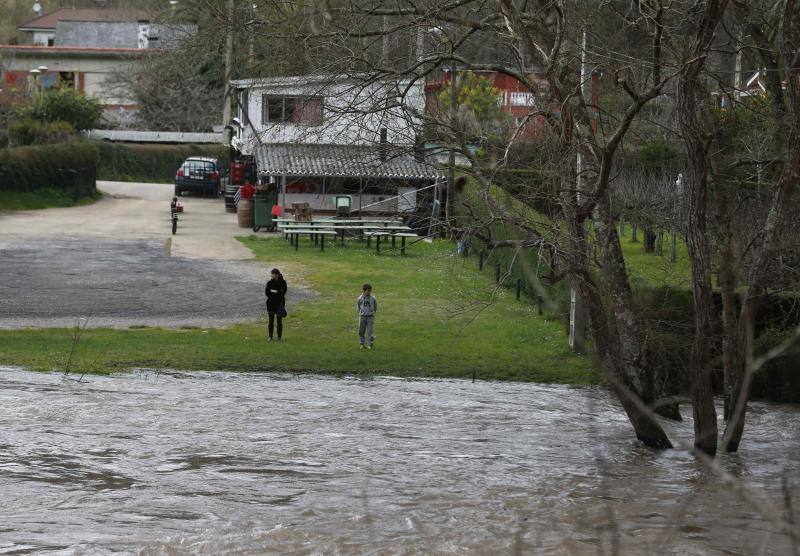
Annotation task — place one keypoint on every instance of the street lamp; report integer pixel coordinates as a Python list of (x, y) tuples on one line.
[(35, 74)]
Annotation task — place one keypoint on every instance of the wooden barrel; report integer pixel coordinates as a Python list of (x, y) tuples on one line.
[(244, 213)]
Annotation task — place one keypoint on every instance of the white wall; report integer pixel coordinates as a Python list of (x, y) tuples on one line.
[(95, 71), (41, 38), (352, 114)]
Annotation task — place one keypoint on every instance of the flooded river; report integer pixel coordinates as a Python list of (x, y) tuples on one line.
[(173, 463)]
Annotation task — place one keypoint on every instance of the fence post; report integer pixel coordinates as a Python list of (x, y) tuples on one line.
[(519, 288), (672, 247), (497, 273), (633, 233), (539, 305)]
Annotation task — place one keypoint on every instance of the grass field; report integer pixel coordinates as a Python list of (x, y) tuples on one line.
[(651, 269), (438, 317)]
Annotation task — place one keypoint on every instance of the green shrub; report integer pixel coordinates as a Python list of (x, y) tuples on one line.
[(64, 105), (70, 167), (34, 132), (150, 162)]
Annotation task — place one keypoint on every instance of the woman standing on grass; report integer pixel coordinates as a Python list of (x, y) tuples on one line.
[(276, 301)]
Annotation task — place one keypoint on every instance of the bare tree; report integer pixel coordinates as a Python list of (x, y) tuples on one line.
[(547, 36)]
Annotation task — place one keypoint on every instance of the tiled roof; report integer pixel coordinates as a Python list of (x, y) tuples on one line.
[(49, 21), (340, 161)]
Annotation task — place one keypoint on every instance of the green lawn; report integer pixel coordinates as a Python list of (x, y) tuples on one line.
[(438, 317), (653, 270), (645, 269)]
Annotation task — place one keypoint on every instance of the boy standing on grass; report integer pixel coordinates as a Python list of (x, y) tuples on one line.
[(367, 307)]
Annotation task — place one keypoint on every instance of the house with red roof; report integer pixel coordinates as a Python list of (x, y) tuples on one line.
[(81, 49)]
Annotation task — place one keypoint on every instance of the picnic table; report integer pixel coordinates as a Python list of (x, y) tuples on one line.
[(368, 227)]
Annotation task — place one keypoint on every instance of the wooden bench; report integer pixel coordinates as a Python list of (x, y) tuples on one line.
[(318, 235), (378, 234)]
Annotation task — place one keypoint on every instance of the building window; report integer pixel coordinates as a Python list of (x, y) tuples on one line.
[(291, 110), (66, 80)]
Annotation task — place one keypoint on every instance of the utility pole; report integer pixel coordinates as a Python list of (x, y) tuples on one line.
[(226, 96), (577, 305), (451, 167), (737, 70)]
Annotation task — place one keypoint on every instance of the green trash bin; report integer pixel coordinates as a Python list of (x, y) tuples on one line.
[(262, 217)]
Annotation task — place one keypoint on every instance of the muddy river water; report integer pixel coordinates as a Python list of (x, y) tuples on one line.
[(173, 463)]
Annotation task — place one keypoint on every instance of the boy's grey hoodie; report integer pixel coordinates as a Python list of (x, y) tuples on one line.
[(367, 306)]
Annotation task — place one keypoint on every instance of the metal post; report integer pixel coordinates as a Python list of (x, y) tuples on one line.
[(403, 245), (448, 206), (296, 241), (539, 305), (577, 314), (378, 245), (322, 242)]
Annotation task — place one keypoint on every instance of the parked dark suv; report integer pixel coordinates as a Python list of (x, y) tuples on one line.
[(199, 174)]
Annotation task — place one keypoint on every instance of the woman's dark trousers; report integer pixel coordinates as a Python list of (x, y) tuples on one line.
[(271, 326)]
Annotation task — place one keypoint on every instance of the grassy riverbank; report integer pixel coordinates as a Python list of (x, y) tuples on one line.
[(439, 317)]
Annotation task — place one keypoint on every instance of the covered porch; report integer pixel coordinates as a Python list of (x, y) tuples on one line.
[(379, 179)]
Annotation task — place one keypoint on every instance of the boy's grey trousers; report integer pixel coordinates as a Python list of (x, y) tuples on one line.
[(366, 324)]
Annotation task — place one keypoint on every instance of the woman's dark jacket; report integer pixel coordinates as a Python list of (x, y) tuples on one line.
[(276, 294)]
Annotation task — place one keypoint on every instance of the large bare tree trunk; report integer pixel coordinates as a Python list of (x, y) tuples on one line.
[(617, 333), (705, 414)]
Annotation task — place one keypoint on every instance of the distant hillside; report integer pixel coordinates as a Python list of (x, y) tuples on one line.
[(16, 12)]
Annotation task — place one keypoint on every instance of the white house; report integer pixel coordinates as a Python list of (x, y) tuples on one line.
[(319, 136), (82, 49)]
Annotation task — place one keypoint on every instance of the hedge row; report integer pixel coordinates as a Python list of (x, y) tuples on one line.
[(150, 163), (70, 167)]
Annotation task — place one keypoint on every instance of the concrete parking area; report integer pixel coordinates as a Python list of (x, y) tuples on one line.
[(116, 263)]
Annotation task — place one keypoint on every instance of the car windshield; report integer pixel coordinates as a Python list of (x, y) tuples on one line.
[(199, 167)]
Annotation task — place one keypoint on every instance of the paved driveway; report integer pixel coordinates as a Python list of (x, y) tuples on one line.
[(116, 263)]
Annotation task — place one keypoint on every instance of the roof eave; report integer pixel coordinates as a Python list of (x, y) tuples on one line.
[(78, 52)]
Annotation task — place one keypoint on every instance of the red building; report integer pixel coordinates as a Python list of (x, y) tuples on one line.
[(514, 97)]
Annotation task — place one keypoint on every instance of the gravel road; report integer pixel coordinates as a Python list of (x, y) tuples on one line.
[(116, 264)]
